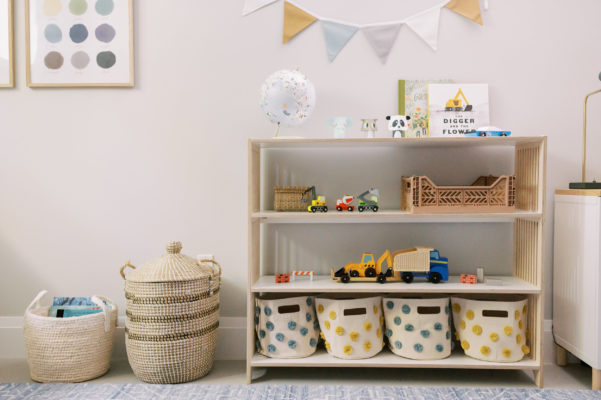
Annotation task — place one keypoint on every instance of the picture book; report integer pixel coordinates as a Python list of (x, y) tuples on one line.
[(413, 101), (455, 109)]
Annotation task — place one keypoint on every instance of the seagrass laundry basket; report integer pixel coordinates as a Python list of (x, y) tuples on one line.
[(172, 317), (73, 349)]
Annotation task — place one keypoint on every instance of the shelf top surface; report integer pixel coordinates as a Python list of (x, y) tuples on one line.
[(387, 359), (325, 284), (283, 143), (389, 216)]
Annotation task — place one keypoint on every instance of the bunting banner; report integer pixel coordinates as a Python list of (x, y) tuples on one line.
[(381, 36), (425, 25), (250, 6), (470, 9), (336, 36), (296, 20)]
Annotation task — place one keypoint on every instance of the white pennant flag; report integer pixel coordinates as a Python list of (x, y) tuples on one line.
[(381, 38), (251, 6), (425, 25)]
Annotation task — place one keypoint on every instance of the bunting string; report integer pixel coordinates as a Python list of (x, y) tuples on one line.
[(381, 36)]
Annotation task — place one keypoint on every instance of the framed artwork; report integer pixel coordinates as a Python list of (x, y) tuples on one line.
[(74, 43), (7, 61)]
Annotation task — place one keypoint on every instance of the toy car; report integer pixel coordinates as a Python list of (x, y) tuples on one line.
[(488, 131)]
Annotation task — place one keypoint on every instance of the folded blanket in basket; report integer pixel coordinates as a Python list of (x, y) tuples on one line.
[(64, 307)]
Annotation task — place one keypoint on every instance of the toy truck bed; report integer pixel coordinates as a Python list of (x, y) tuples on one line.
[(416, 259)]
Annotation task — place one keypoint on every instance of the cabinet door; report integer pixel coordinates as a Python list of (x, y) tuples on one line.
[(576, 301)]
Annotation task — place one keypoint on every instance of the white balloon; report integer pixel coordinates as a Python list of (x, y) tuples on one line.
[(287, 97)]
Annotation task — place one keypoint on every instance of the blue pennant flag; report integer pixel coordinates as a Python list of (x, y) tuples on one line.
[(336, 36)]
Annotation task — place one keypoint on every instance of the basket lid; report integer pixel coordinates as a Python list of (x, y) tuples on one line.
[(172, 266)]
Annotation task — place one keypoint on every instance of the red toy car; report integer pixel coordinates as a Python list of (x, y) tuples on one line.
[(344, 204)]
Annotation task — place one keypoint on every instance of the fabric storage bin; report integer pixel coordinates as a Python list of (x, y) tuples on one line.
[(73, 349), (352, 328), (172, 317), (491, 330), (286, 328), (418, 328)]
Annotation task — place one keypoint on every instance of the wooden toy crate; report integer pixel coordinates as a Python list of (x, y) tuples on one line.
[(290, 198), (487, 194)]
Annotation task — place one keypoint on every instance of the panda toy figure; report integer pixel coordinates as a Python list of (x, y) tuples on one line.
[(398, 125)]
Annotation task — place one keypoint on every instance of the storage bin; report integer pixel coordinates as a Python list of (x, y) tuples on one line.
[(492, 330), (73, 349), (418, 328), (172, 317), (286, 328), (352, 328), (291, 198)]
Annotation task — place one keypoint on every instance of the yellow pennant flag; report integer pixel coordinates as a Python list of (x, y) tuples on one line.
[(295, 21), (468, 8)]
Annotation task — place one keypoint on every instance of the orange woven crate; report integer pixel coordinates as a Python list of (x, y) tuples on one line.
[(282, 278), (465, 278), (487, 194)]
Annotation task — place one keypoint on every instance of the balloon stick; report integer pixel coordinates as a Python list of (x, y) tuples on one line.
[(277, 130)]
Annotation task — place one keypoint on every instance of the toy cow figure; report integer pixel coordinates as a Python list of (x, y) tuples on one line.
[(398, 125)]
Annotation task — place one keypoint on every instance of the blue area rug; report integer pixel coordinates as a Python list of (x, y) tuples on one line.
[(138, 391)]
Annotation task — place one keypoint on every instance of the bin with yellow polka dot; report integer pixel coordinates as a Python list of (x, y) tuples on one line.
[(286, 328), (492, 330), (418, 328), (352, 328)]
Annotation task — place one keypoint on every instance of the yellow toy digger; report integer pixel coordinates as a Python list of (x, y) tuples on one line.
[(366, 270), (455, 104)]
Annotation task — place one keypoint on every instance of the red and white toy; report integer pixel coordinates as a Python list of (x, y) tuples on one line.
[(344, 204)]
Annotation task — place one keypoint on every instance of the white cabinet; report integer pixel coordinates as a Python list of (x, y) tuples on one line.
[(576, 277)]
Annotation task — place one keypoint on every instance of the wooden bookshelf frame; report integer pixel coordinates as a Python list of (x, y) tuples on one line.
[(525, 278)]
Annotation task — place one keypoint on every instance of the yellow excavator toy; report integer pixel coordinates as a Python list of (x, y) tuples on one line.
[(455, 104), (367, 268)]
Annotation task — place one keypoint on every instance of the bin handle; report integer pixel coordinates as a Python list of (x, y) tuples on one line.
[(216, 266), (127, 264), (36, 300), (105, 310)]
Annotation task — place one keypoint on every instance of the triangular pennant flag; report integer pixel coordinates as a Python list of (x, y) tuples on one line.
[(337, 36), (381, 38), (251, 6), (295, 21), (468, 8), (425, 25)]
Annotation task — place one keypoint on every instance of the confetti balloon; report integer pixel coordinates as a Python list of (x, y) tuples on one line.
[(287, 97)]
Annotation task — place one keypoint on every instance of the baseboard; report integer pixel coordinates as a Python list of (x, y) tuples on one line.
[(230, 346)]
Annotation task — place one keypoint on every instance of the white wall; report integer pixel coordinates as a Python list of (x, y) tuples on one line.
[(93, 177)]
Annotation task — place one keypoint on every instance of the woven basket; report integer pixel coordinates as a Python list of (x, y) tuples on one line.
[(290, 198), (73, 349), (172, 317)]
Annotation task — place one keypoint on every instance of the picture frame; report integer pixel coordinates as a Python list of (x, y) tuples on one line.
[(79, 43), (7, 44)]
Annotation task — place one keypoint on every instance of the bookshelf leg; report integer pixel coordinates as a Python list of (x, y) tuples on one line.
[(596, 379), (561, 356), (249, 373), (538, 378)]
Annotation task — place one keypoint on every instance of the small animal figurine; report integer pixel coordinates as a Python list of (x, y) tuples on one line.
[(398, 125), (369, 127), (340, 124)]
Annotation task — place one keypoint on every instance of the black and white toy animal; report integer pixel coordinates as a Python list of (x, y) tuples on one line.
[(398, 125)]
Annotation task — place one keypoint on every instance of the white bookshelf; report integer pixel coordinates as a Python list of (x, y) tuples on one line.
[(526, 157)]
